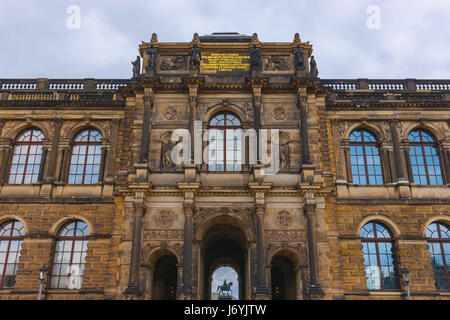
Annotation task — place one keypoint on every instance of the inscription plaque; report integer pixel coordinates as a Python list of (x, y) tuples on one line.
[(224, 62)]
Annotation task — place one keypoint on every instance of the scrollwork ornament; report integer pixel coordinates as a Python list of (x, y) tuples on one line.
[(165, 218), (279, 113), (284, 219)]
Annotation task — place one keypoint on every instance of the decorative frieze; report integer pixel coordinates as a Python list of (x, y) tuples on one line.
[(286, 235), (163, 234)]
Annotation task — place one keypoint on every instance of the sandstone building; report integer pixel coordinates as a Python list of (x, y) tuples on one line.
[(88, 186)]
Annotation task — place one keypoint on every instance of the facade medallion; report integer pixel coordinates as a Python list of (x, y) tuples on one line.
[(284, 219), (279, 113), (171, 113), (165, 218)]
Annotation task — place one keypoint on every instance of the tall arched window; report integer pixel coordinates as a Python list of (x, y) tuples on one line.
[(438, 236), (86, 157), (12, 234), (379, 257), (26, 158), (225, 143), (70, 256), (365, 158), (425, 165)]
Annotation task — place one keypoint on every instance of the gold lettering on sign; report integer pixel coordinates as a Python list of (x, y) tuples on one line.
[(224, 62)]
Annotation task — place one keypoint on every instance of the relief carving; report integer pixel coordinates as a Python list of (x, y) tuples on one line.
[(169, 63), (163, 234), (276, 63), (165, 218), (171, 113), (283, 219), (166, 150), (343, 127), (275, 235), (279, 113)]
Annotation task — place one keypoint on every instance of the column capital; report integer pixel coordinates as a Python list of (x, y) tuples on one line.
[(139, 208), (260, 209), (310, 208)]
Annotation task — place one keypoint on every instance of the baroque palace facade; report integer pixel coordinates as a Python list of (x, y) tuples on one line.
[(90, 190)]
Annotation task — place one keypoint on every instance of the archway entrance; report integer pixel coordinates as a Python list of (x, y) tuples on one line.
[(224, 245), (225, 282), (165, 278), (284, 280)]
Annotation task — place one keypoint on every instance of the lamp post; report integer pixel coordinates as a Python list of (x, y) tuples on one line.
[(406, 279), (42, 276)]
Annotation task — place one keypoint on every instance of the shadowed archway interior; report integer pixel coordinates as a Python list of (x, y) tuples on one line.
[(165, 278), (283, 279), (224, 245)]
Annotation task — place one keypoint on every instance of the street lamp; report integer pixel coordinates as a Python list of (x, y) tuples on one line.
[(42, 276), (406, 280)]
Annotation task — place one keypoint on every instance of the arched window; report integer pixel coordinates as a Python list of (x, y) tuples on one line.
[(11, 238), (379, 257), (70, 256), (365, 158), (225, 143), (425, 165), (86, 157), (438, 236), (26, 158)]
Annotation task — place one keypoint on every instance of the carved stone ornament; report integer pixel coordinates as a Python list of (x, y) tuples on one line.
[(165, 218), (171, 113), (279, 113), (169, 63), (283, 219), (276, 63)]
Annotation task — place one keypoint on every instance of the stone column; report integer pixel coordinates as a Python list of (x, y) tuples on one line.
[(52, 152), (103, 156), (387, 159), (399, 155), (257, 104), (444, 149), (133, 282), (110, 161), (193, 104), (146, 125), (303, 129), (6, 146), (345, 146), (186, 286), (260, 261), (262, 290), (339, 154), (314, 287), (63, 160)]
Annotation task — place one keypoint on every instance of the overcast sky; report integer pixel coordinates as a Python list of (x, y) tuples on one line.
[(411, 38)]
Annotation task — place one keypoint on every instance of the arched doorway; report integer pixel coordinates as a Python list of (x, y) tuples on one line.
[(165, 278), (284, 280), (221, 275), (223, 245)]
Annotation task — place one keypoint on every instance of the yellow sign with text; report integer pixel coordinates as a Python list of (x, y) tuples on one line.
[(224, 62)]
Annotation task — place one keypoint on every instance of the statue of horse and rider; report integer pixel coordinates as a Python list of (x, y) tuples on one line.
[(226, 287)]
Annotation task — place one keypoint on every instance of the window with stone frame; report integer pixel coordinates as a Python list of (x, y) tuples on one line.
[(225, 143), (25, 161), (438, 236), (85, 160), (12, 234), (365, 159), (424, 158), (379, 257), (70, 256)]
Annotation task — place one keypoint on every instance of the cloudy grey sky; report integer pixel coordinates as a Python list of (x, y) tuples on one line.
[(412, 41)]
